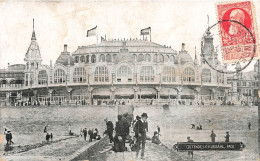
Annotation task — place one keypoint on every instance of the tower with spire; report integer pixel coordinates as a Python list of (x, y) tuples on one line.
[(207, 49), (33, 56), (32, 59)]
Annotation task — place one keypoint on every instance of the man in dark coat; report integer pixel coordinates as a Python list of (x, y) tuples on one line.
[(90, 133), (110, 129), (190, 152), (120, 136), (213, 136), (141, 128), (85, 133), (9, 138), (227, 137)]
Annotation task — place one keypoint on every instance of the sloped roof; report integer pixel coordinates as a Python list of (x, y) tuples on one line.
[(33, 52), (65, 59)]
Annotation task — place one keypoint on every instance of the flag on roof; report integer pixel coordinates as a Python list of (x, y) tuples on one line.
[(92, 32), (146, 31)]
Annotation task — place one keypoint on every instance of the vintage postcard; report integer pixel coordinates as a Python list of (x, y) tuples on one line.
[(129, 80)]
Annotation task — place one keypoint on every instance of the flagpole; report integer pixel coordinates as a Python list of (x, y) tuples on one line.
[(97, 36), (150, 34)]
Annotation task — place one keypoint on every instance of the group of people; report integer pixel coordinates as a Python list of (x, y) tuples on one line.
[(49, 136), (213, 136), (199, 127), (122, 133), (93, 134)]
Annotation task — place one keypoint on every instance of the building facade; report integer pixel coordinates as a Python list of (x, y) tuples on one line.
[(114, 71)]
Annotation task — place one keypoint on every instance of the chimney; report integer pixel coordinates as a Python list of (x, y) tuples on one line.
[(182, 47), (65, 48)]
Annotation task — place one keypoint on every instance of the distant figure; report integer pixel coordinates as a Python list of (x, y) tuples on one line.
[(141, 129), (192, 126), (95, 133), (155, 138), (199, 127), (249, 126), (70, 133), (45, 129), (227, 137), (51, 136), (81, 132), (110, 129), (119, 140), (85, 133), (190, 152), (5, 132), (90, 133), (213, 136), (158, 129), (9, 138), (47, 137)]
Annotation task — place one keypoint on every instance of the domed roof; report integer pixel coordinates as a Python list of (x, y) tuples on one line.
[(185, 57), (65, 58)]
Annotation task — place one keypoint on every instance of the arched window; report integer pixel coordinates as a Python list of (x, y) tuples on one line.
[(114, 57), (93, 59), (147, 57), (155, 58), (108, 58), (161, 58), (172, 58), (167, 58), (168, 74), (79, 75), (87, 59), (76, 59), (42, 77), (188, 75), (124, 73), (101, 74), (205, 76), (140, 58), (82, 58), (102, 58), (147, 74), (59, 76)]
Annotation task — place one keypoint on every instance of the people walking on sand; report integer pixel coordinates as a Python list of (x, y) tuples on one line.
[(190, 152), (70, 133), (110, 129), (159, 129), (9, 138), (47, 137), (90, 133), (45, 129), (5, 132), (249, 126), (227, 137), (192, 126), (119, 140), (212, 136), (155, 138), (85, 133), (81, 132), (51, 136), (141, 129)]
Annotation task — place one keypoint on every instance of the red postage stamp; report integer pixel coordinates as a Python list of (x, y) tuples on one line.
[(238, 31)]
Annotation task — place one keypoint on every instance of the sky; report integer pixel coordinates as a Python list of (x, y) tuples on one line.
[(66, 22)]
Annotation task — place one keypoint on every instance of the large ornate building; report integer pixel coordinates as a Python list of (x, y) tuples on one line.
[(133, 70)]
